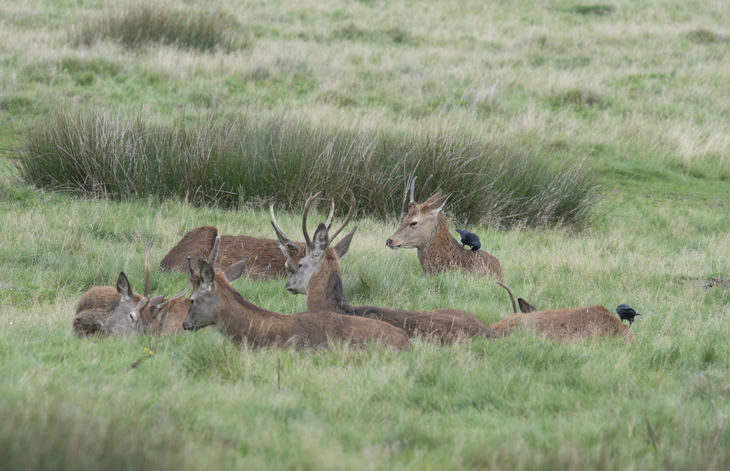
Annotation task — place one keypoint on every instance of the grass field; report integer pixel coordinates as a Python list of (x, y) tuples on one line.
[(636, 90)]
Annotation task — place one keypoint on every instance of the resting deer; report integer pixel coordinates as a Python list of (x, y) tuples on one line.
[(105, 310), (319, 277), (425, 228), (215, 301), (265, 258), (562, 324)]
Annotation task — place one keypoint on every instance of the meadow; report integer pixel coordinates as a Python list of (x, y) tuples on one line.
[(634, 94)]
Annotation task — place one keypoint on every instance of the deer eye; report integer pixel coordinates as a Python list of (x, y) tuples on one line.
[(413, 223)]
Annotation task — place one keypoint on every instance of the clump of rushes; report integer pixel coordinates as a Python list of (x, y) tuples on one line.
[(229, 163), (143, 24)]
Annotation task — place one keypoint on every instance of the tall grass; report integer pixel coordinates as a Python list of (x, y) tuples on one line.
[(142, 24), (253, 158)]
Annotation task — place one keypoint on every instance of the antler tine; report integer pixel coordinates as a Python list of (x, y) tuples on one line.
[(511, 296), (214, 253), (177, 296), (331, 215), (279, 232), (347, 218), (423, 188), (147, 270), (304, 218), (413, 186), (190, 268)]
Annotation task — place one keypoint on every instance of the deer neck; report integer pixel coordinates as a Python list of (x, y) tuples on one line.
[(324, 292), (441, 241), (238, 317)]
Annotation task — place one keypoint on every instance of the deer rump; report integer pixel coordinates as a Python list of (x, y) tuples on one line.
[(566, 324), (266, 259)]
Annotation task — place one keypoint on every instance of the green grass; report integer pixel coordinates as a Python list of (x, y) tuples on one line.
[(140, 25), (254, 158), (637, 92)]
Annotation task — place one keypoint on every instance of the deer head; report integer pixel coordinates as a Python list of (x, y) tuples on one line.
[(301, 270), (525, 307), (204, 301), (419, 225)]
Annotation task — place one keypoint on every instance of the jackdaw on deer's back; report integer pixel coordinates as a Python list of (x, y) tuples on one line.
[(469, 239)]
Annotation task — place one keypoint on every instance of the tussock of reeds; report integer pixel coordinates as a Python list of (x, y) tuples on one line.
[(142, 24), (253, 158)]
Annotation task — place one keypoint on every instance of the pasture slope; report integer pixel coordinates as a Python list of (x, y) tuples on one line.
[(636, 90)]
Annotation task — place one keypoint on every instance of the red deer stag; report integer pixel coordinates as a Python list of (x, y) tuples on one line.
[(425, 228), (215, 301), (562, 324), (265, 258), (319, 277)]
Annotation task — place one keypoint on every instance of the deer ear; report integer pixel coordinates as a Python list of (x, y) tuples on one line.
[(437, 201), (123, 287), (321, 240), (235, 271), (344, 245), (207, 276), (525, 307)]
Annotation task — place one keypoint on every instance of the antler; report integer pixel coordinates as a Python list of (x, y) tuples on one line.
[(283, 238), (304, 218), (423, 188), (214, 253), (511, 296), (147, 270), (177, 296), (331, 215), (347, 218), (413, 186)]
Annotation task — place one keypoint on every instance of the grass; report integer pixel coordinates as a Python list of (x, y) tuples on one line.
[(639, 94), (143, 24), (254, 158)]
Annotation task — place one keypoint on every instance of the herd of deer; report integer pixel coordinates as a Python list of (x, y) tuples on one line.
[(313, 268)]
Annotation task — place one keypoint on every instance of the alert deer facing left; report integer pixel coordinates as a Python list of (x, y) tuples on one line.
[(425, 228), (319, 277)]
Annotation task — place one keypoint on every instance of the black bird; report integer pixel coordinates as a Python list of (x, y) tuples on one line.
[(470, 239), (626, 313)]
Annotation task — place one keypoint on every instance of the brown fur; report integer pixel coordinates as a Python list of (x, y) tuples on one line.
[(266, 259), (169, 320), (445, 325), (426, 229), (443, 252), (566, 324), (243, 321), (94, 309)]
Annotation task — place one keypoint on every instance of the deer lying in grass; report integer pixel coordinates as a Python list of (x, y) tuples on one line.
[(104, 310), (562, 324), (265, 258), (319, 277), (425, 228), (215, 301)]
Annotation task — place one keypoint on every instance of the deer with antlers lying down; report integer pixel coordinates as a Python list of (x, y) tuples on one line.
[(562, 324), (319, 277), (215, 301), (425, 228), (265, 258)]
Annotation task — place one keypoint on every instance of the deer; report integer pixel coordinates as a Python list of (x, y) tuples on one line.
[(265, 259), (105, 310), (215, 302), (562, 324), (425, 228), (319, 277)]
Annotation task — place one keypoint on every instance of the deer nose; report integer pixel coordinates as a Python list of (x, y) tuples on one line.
[(388, 243)]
